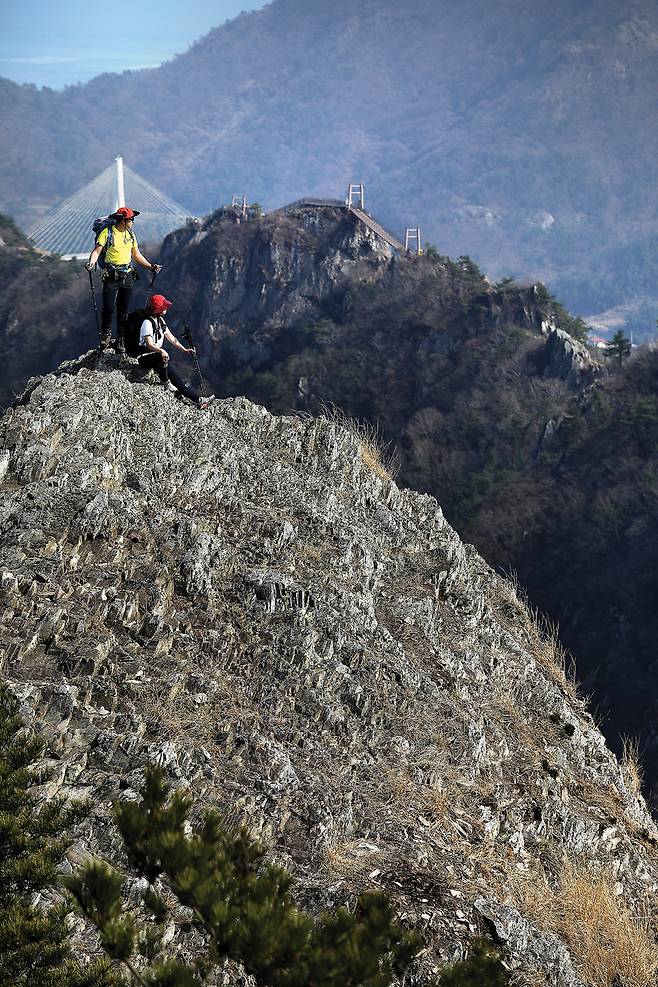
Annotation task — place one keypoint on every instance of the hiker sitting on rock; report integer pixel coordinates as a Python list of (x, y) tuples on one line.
[(146, 331), (118, 245)]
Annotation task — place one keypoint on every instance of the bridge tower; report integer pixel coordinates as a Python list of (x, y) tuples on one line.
[(66, 229), (356, 196), (239, 202), (412, 241), (121, 188)]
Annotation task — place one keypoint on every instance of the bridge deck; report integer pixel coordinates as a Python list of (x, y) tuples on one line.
[(377, 228), (360, 214)]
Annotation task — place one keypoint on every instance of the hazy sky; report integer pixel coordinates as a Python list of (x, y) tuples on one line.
[(54, 43)]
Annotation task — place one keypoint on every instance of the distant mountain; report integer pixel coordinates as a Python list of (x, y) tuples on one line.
[(519, 133)]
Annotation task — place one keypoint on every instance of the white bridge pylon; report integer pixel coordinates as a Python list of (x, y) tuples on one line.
[(412, 241), (356, 196), (66, 229)]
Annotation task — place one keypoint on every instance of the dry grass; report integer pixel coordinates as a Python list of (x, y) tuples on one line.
[(612, 947), (412, 798), (543, 637), (375, 453), (355, 860), (529, 978), (631, 765), (172, 714)]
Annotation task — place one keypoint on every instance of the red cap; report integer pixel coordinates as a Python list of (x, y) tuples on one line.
[(123, 212), (158, 304)]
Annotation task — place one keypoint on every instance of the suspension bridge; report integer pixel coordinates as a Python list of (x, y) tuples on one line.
[(355, 204), (66, 229)]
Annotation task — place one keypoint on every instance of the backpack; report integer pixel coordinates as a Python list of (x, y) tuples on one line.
[(132, 329), (105, 223)]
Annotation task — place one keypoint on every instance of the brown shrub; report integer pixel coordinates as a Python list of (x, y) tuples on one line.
[(611, 945), (375, 453), (631, 765)]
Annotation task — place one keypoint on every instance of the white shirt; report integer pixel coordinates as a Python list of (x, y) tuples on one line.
[(157, 331)]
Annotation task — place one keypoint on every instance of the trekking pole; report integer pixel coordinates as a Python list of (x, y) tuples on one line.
[(153, 277), (187, 336), (93, 296)]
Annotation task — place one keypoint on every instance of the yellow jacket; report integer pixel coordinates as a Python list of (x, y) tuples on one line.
[(120, 251)]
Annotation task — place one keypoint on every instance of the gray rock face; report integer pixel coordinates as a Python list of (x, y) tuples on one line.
[(544, 952), (251, 602), (281, 271), (568, 359)]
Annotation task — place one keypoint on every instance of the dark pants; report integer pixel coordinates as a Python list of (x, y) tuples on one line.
[(153, 361), (116, 295)]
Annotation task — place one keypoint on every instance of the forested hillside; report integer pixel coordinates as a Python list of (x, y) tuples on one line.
[(46, 314), (522, 135)]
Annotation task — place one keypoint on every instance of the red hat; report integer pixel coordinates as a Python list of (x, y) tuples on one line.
[(123, 212), (158, 304)]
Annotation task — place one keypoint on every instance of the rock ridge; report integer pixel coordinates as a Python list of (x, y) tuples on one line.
[(251, 602)]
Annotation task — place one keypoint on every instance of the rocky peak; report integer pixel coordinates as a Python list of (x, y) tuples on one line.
[(273, 269), (253, 603), (265, 286), (568, 359)]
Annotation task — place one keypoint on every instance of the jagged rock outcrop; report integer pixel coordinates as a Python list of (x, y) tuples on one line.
[(253, 603), (252, 283), (568, 359)]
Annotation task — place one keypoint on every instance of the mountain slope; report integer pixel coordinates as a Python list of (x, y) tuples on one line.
[(523, 138), (246, 601), (540, 457)]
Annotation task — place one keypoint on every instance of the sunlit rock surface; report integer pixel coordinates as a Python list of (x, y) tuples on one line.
[(251, 602)]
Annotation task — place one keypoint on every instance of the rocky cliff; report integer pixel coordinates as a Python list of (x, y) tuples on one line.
[(303, 286), (253, 603), (542, 459)]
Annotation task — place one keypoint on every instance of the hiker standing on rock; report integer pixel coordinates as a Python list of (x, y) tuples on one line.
[(117, 244), (146, 332)]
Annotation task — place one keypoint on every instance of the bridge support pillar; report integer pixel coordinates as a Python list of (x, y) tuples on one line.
[(356, 196), (239, 202), (412, 241)]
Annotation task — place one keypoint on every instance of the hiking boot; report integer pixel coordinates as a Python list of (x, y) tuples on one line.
[(203, 402), (106, 339), (120, 346)]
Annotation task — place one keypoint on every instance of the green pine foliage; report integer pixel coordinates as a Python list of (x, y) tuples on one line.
[(35, 947), (482, 969), (619, 346), (241, 904)]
